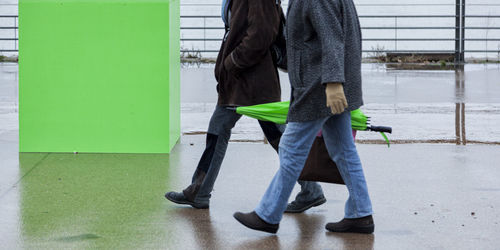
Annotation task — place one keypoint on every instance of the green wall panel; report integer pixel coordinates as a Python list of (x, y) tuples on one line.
[(99, 76), (175, 48)]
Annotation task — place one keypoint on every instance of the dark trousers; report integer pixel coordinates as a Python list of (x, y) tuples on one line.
[(218, 135)]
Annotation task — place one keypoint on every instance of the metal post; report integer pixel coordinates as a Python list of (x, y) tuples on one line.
[(204, 33), (457, 32), (458, 138), (396, 33), (462, 54), (15, 33), (464, 138)]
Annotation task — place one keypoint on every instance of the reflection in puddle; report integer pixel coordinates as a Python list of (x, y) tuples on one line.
[(109, 201), (460, 106), (353, 241), (200, 223), (267, 242), (80, 237)]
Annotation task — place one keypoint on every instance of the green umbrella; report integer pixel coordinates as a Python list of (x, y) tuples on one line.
[(359, 121), (272, 112), (277, 112)]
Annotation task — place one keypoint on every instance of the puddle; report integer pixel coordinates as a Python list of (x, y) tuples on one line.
[(80, 237)]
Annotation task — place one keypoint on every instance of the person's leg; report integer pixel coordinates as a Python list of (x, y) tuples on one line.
[(219, 129), (339, 141), (273, 133), (293, 151), (310, 190), (218, 134), (310, 193)]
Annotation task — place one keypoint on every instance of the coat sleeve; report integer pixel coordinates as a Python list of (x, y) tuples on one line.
[(263, 24), (326, 19)]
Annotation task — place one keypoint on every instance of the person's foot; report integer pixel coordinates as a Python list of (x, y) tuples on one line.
[(179, 198), (362, 225), (253, 221), (299, 207)]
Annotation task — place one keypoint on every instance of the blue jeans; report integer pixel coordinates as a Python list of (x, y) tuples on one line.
[(294, 148)]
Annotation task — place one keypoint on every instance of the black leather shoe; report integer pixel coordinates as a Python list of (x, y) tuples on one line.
[(179, 198), (362, 225), (299, 207), (253, 221)]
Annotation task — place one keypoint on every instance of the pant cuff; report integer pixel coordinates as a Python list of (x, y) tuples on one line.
[(260, 213), (358, 215)]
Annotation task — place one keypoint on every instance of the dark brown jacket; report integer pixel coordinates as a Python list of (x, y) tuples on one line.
[(244, 69)]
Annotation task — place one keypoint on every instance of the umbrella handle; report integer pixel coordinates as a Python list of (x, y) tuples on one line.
[(380, 129), (231, 108)]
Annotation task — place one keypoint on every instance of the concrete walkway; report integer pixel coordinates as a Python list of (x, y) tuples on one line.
[(425, 197)]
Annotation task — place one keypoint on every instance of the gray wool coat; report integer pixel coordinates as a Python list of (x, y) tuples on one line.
[(323, 46)]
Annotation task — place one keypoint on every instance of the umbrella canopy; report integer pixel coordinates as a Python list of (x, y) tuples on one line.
[(272, 112), (277, 112), (359, 121)]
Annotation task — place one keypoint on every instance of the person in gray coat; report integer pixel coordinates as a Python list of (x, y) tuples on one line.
[(324, 63)]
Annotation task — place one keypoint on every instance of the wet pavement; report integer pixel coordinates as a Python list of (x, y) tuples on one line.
[(425, 195), (421, 106)]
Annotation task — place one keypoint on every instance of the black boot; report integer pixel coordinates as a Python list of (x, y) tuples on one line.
[(179, 198), (362, 225), (299, 207), (253, 221)]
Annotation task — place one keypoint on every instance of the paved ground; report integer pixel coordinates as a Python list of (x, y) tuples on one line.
[(425, 196)]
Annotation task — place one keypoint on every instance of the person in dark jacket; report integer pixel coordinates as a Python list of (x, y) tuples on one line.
[(324, 65), (246, 75)]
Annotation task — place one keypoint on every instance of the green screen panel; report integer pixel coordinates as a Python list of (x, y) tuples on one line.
[(98, 76), (175, 48)]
